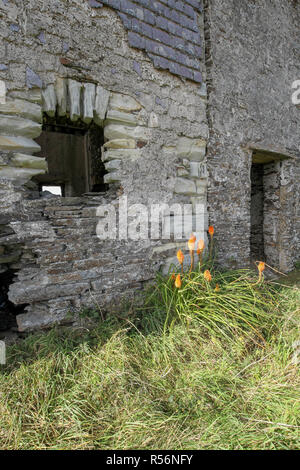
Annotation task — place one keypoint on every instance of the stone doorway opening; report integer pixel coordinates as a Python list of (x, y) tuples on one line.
[(73, 154), (257, 243), (266, 213)]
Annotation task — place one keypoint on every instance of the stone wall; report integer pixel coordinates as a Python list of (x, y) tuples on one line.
[(69, 58), (252, 58)]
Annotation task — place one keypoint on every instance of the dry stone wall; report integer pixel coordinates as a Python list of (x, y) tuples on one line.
[(69, 58)]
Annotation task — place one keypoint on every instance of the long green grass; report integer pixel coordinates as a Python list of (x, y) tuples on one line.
[(173, 374), (232, 303)]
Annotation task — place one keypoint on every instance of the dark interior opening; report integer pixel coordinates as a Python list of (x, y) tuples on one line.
[(73, 154), (8, 310), (257, 213)]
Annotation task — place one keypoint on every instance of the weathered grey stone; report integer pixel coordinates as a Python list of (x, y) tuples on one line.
[(201, 187), (8, 142), (33, 79), (194, 169), (61, 96), (120, 154), (41, 319), (13, 125), (120, 144), (40, 229), (28, 161), (23, 108), (2, 92), (184, 186), (124, 103), (113, 165), (194, 149), (75, 99), (21, 292), (101, 104), (116, 116), (113, 177), (153, 120), (198, 170), (49, 100), (117, 131), (19, 174), (182, 171), (89, 91), (34, 95)]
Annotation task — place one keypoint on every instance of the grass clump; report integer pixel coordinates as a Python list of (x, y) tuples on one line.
[(224, 305)]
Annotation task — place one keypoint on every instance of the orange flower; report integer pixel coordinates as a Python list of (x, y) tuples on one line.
[(211, 232), (191, 243), (173, 277), (178, 281), (217, 288), (261, 266), (207, 275), (201, 246), (180, 256)]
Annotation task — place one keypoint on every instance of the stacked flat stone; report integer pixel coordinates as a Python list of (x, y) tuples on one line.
[(20, 123)]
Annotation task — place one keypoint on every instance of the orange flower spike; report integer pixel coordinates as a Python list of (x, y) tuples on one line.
[(191, 246), (261, 267), (217, 288), (173, 277), (211, 231), (191, 243), (200, 249), (180, 256), (207, 275), (178, 281), (201, 246)]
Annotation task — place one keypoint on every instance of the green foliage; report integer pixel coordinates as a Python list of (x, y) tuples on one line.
[(297, 265), (233, 303)]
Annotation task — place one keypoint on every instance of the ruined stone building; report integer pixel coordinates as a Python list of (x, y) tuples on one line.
[(161, 101)]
